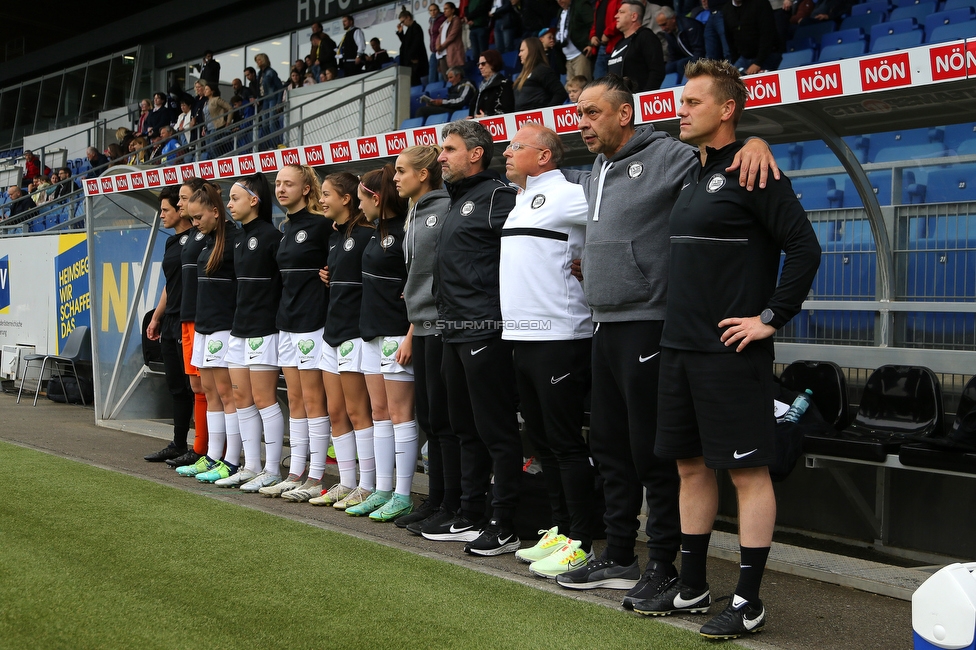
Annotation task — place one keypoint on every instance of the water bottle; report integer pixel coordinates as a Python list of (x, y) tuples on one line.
[(799, 406)]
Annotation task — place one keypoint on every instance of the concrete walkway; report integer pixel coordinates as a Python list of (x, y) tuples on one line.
[(803, 613)]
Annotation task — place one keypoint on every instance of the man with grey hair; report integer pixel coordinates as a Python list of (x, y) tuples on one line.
[(547, 319), (19, 204), (477, 363), (684, 38), (97, 160), (461, 95)]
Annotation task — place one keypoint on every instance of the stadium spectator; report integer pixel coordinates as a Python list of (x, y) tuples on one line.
[(19, 204), (717, 377), (538, 85), (97, 161), (329, 74), (145, 107), (63, 186), (33, 167), (309, 81), (216, 115), (495, 95), (269, 96), (716, 43), (124, 136), (685, 38), (476, 16), (323, 47), (209, 69), (115, 154), (138, 151), (352, 47), (638, 56), (603, 35), (809, 12), (159, 117), (412, 49), (253, 87), (460, 95), (437, 18), (169, 145), (506, 18), (38, 190), (184, 120), (751, 33), (782, 12), (295, 80), (575, 21), (379, 56), (198, 118), (574, 86), (554, 56), (450, 47)]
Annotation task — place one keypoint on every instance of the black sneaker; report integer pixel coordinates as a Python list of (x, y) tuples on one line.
[(425, 510), (740, 617), (657, 577), (438, 517), (188, 458), (494, 540), (676, 598), (171, 451), (456, 529), (604, 573)]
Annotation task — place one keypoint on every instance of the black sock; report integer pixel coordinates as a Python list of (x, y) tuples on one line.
[(694, 553), (622, 555), (751, 567)]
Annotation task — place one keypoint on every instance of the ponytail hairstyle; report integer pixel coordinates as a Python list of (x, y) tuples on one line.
[(209, 197), (347, 184), (311, 179), (380, 183), (425, 157), (257, 186), (195, 184)]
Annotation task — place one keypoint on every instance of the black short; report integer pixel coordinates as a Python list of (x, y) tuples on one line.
[(719, 406)]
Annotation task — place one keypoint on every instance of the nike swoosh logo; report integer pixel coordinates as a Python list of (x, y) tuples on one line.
[(556, 380), (502, 542), (685, 185), (237, 245), (474, 352), (681, 603), (458, 530), (736, 455), (643, 359), (616, 51), (331, 247), (750, 623)]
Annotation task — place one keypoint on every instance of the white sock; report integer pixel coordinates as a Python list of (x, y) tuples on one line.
[(345, 450), (217, 429), (405, 434), (318, 446), (367, 462), (250, 422), (234, 443), (384, 452), (298, 440), (274, 437)]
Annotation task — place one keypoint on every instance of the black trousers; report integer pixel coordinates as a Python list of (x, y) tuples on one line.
[(480, 378), (623, 424), (443, 446), (176, 380), (553, 378)]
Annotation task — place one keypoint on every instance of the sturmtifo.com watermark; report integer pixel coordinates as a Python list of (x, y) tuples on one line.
[(510, 325)]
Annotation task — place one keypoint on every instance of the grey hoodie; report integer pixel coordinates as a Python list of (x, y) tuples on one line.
[(420, 248), (630, 196)]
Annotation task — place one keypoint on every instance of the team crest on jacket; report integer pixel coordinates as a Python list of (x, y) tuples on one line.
[(349, 244), (715, 183), (199, 236), (252, 243), (183, 239), (431, 221), (634, 170), (538, 201), (467, 208), (388, 241), (301, 236)]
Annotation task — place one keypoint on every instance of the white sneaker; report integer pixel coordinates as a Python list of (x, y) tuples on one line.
[(236, 480), (330, 496), (551, 542), (277, 489), (311, 488), (354, 498), (263, 479)]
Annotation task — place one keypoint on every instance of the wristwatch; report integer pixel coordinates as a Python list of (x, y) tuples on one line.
[(766, 317)]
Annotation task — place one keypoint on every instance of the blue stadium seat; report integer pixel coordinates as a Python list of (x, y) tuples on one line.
[(905, 3), (847, 272), (953, 185), (956, 4), (842, 51), (412, 123), (953, 32), (811, 191), (814, 31), (416, 91), (863, 22), (911, 152), (916, 11), (671, 80), (437, 93), (434, 86), (894, 42), (781, 152), (954, 134), (875, 7), (966, 147), (880, 184), (951, 17), (796, 59), (879, 141), (799, 44), (440, 118), (819, 160), (853, 35), (511, 61), (893, 27), (460, 114)]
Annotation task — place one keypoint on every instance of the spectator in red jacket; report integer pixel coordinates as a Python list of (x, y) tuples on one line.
[(32, 167), (604, 34)]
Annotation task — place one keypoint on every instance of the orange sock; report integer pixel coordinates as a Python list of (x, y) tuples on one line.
[(200, 433)]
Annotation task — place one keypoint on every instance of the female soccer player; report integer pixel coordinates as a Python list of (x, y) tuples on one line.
[(387, 357), (303, 251)]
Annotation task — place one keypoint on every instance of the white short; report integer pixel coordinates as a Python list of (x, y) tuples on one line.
[(300, 350), (379, 357), (210, 350), (328, 361), (349, 356), (235, 352), (261, 350)]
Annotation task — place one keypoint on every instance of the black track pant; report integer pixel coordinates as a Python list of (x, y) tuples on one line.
[(178, 384), (443, 447), (623, 424), (553, 379), (480, 378)]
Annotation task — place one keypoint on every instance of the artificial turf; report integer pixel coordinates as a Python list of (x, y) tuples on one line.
[(94, 559)]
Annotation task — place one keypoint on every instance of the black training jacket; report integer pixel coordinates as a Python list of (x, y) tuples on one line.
[(345, 284), (258, 280), (384, 311), (217, 292), (303, 251), (195, 241)]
